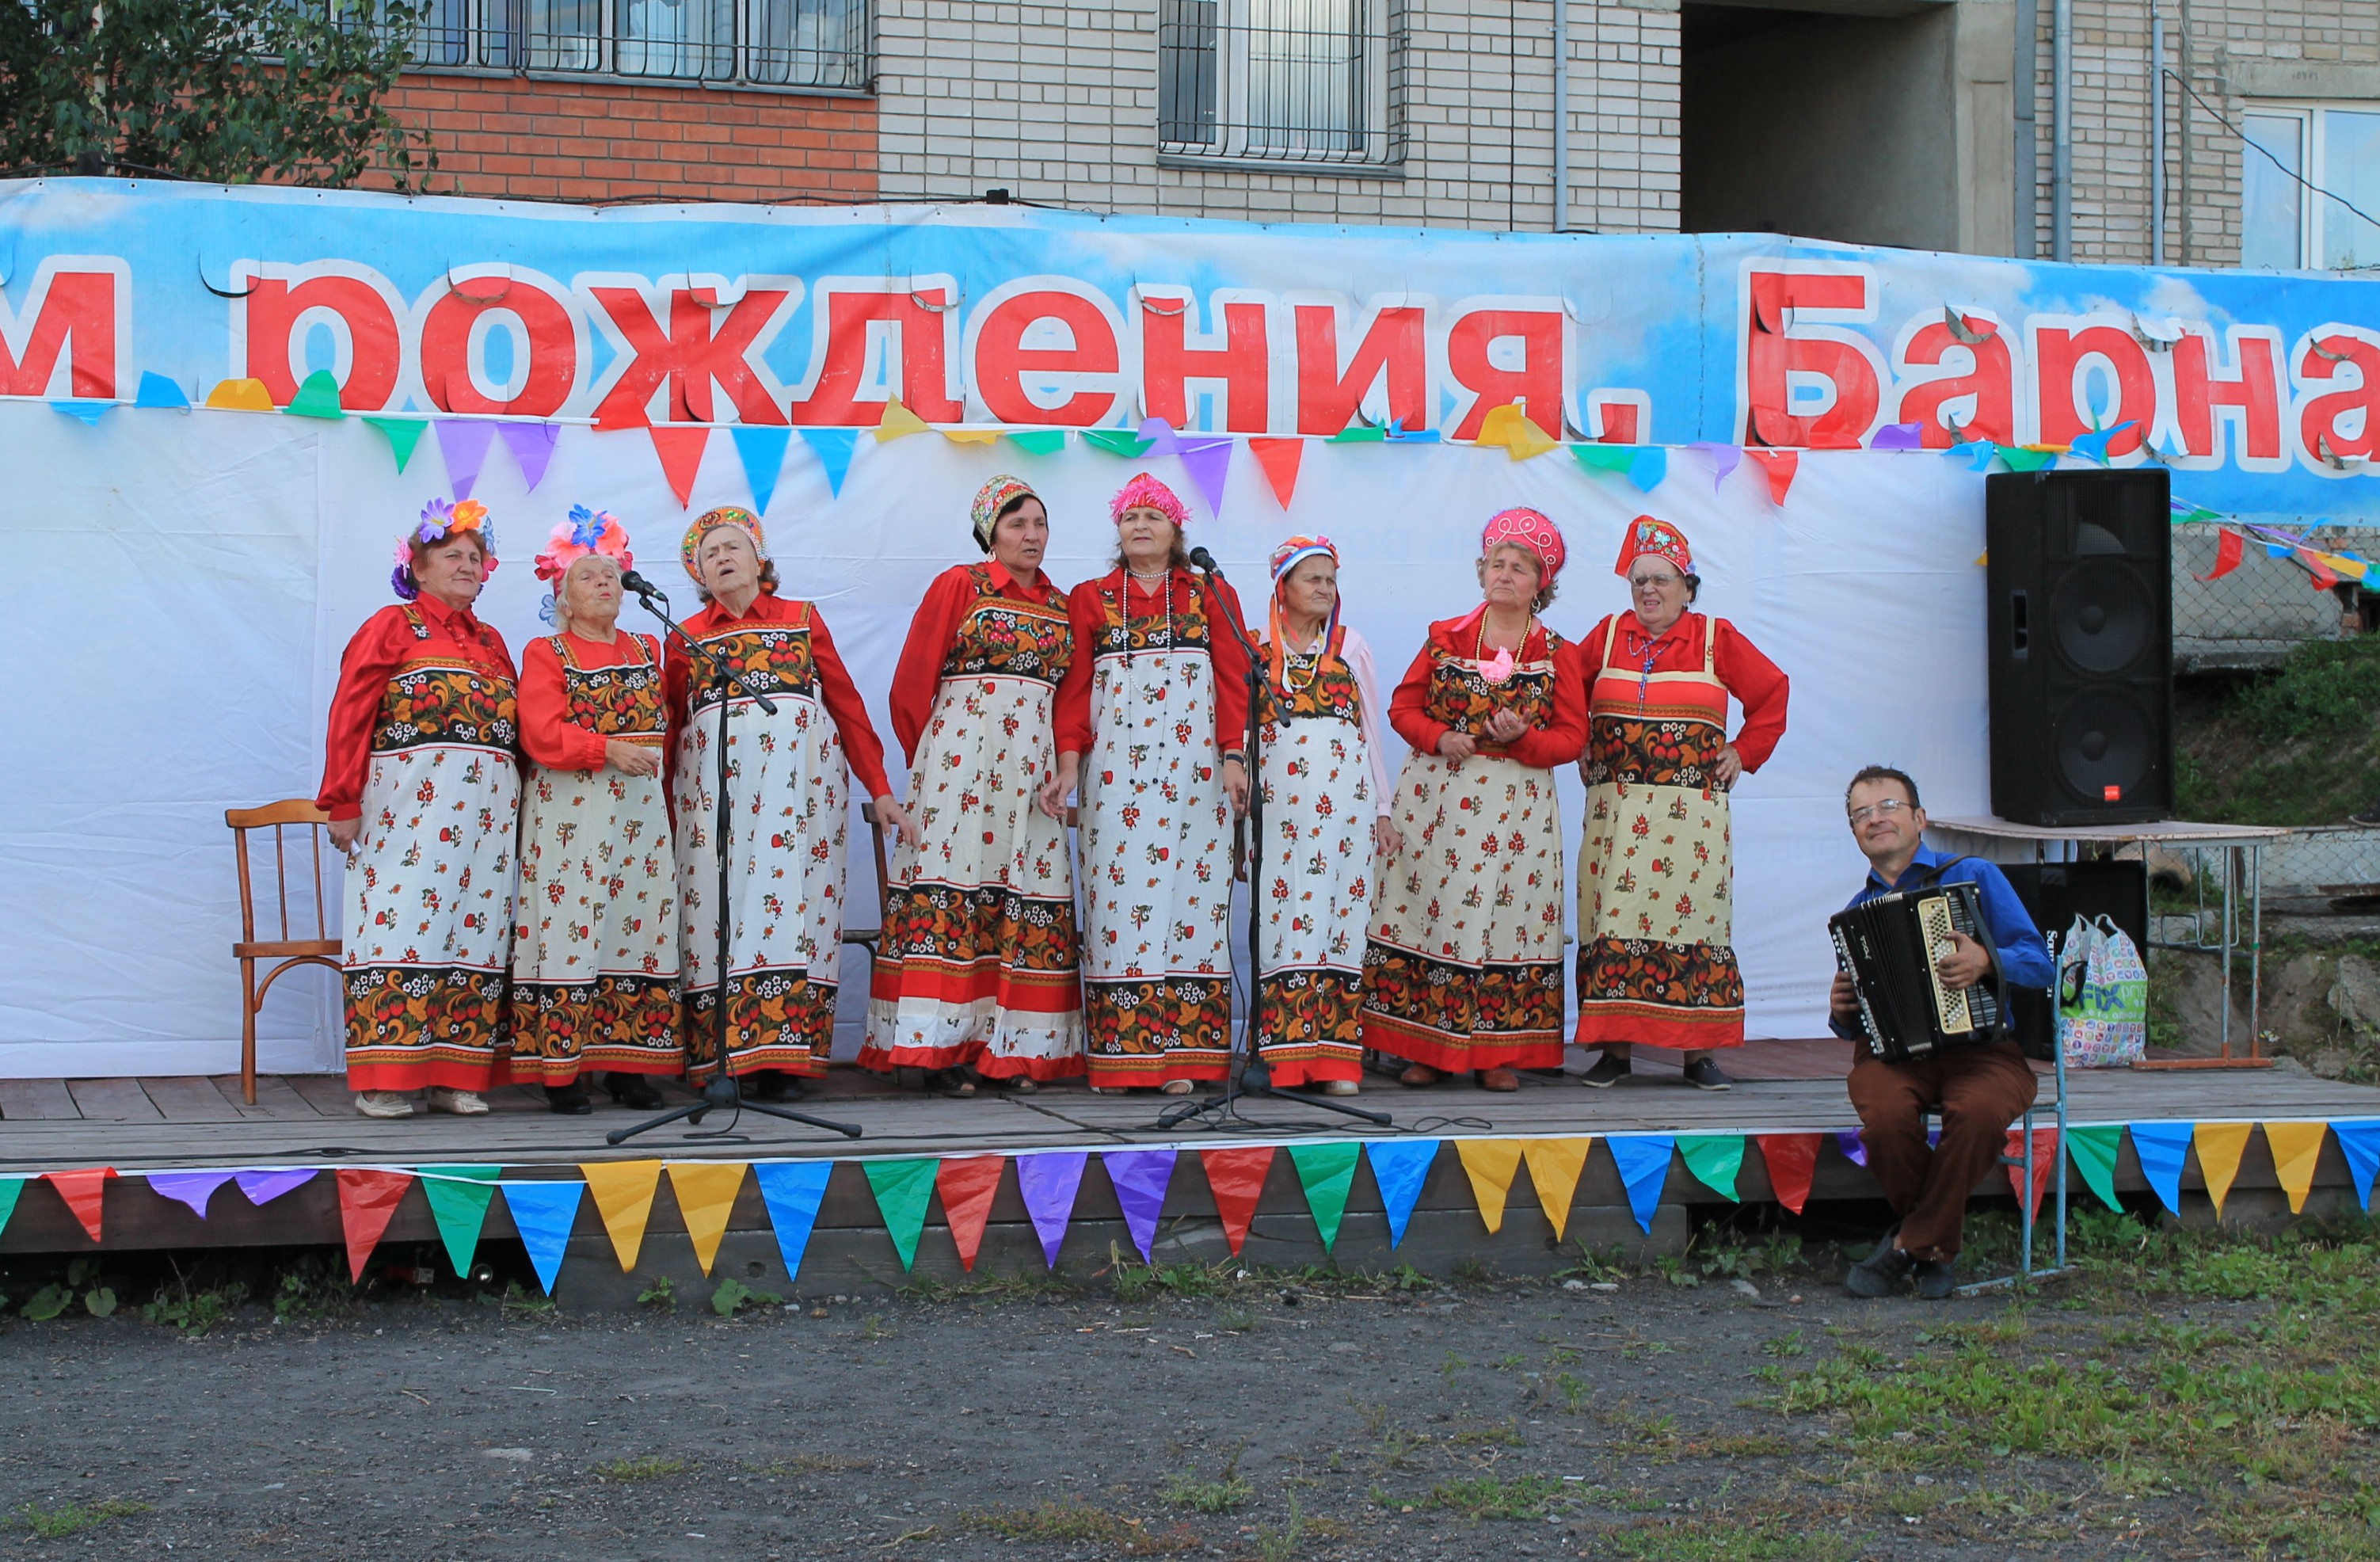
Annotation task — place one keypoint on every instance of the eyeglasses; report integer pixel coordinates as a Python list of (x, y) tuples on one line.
[(1637, 584), (1888, 808)]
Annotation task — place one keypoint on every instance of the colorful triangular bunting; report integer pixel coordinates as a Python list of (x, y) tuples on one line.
[(2161, 1148), (543, 1214), (87, 413), (11, 1190), (459, 1203), (762, 448), (1716, 1160), (367, 1198), (240, 395), (1208, 462), (1724, 458), (1650, 467), (2360, 1142), (156, 390), (706, 1198), (1509, 426), (1039, 442), (1852, 1144), (834, 449), (2220, 1146), (1116, 442), (2093, 1148), (2297, 1149), (898, 421), (2044, 1162), (318, 396), (1048, 1183), (1358, 434), (1490, 1164), (401, 433), (1237, 1177), (1779, 466), (463, 441), (968, 1184), (532, 446), (1793, 1162), (1140, 1177), (1327, 1171), (622, 1192), (266, 1184), (680, 448), (1400, 1166), (903, 1190), (193, 1189), (794, 1190), (1554, 1168), (1279, 459), (1643, 1162), (1604, 458), (84, 1189)]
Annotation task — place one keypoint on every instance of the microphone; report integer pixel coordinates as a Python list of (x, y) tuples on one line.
[(1201, 559), (631, 581)]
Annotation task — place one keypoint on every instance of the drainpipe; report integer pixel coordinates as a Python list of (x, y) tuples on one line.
[(2156, 137), (2062, 130), (1562, 116), (2025, 74)]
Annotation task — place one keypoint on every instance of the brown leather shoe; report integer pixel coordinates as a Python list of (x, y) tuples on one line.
[(1499, 1079), (1418, 1075)]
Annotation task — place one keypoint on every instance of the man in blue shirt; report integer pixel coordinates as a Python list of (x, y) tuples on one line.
[(1980, 1087)]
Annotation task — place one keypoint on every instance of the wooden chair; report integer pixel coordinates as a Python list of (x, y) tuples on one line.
[(283, 952)]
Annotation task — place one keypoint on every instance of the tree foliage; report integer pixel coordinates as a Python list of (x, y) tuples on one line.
[(230, 91)]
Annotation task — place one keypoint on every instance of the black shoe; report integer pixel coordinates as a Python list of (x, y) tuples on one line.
[(1937, 1278), (1883, 1272), (772, 1084), (570, 1099), (1703, 1074), (2369, 818), (633, 1090), (1608, 1071)]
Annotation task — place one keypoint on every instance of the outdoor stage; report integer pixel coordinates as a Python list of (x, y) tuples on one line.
[(1788, 1091)]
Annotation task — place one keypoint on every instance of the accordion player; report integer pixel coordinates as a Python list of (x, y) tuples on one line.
[(1893, 946)]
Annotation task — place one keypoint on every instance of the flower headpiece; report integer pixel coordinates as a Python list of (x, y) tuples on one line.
[(1145, 492), (439, 521), (1285, 558), (1528, 528), (587, 535), (1646, 535), (725, 515), (993, 498)]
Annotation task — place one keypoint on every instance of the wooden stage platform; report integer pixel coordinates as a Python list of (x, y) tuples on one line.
[(138, 1126)]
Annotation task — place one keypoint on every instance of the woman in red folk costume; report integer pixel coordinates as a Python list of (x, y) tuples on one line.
[(595, 944), (977, 972), (1152, 719), (1463, 971), (1656, 877), (423, 793), (1326, 795), (787, 774)]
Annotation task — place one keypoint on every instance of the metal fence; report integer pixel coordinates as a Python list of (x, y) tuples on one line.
[(2253, 617), (766, 42), (1281, 80)]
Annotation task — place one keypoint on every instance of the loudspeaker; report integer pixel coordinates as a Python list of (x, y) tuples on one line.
[(2080, 572), (2056, 893)]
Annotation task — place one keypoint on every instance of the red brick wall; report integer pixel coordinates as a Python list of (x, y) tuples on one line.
[(605, 140)]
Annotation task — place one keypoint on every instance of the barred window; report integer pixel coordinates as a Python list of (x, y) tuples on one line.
[(1292, 80), (771, 43), (2335, 148)]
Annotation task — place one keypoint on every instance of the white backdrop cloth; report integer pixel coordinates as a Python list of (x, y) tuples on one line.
[(175, 589)]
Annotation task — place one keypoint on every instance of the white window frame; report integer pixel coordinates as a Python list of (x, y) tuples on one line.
[(2313, 156), (1237, 138)]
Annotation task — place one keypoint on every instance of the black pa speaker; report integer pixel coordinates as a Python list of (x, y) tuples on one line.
[(2081, 629)]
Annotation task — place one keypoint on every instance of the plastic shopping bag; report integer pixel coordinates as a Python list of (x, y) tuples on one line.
[(2103, 997)]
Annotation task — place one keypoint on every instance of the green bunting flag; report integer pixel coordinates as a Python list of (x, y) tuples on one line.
[(1117, 442), (1327, 1172), (2026, 460), (1716, 1159), (2094, 1149), (1358, 434), (401, 433), (458, 1203), (1039, 442), (317, 397), (10, 1187), (903, 1190), (1605, 457)]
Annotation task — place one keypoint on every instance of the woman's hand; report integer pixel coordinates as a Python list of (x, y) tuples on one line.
[(1235, 784), (1385, 840), (1457, 747), (343, 833), (1052, 801), (1506, 726), (632, 759), (1727, 768), (891, 815)]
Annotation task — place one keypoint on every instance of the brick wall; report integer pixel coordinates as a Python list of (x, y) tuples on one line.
[(605, 140)]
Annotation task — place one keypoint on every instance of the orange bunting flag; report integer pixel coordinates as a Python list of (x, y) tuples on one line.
[(2219, 1147), (1279, 459), (1554, 1167), (680, 450), (1490, 1164), (622, 1192), (367, 1200), (968, 1184), (706, 1196), (84, 1191), (899, 420), (2295, 1148), (241, 396), (1237, 1177), (1509, 426)]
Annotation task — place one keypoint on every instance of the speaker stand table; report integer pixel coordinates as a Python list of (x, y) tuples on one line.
[(2167, 845)]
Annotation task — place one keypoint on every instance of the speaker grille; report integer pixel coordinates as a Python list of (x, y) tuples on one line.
[(2100, 618), (2103, 740)]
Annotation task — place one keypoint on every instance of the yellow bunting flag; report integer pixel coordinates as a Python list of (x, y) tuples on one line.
[(898, 420), (2219, 1147), (1510, 427), (1492, 1164), (2296, 1147), (971, 436), (241, 396), (622, 1192), (706, 1194), (1554, 1166)]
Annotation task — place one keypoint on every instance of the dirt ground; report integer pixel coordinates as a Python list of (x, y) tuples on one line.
[(1199, 1413)]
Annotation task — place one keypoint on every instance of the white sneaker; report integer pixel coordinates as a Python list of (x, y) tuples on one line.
[(1339, 1087), (384, 1104), (462, 1102)]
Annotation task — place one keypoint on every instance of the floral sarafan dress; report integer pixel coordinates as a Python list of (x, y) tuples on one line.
[(1464, 966), (422, 735)]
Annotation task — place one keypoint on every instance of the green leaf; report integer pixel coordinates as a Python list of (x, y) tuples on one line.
[(99, 1302), (47, 1304)]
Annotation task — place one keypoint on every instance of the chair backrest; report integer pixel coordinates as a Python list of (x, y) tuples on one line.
[(278, 817)]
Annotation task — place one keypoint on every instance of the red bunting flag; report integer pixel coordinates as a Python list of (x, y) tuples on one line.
[(2228, 546), (1237, 1176), (367, 1202), (2325, 576), (1792, 1158), (1780, 465), (83, 1190), (1279, 457), (681, 453), (2044, 1162), (966, 1184)]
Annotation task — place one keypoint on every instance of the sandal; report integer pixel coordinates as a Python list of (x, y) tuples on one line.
[(952, 1082), (1023, 1084), (1175, 1087)]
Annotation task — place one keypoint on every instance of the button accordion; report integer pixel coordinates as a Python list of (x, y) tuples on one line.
[(1888, 947)]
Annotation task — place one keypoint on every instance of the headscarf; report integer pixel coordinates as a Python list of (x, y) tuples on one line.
[(991, 500), (725, 515), (439, 521), (587, 535), (1145, 492), (1646, 535), (1284, 559), (1528, 528)]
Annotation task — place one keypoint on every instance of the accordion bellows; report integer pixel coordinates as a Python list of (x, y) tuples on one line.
[(1889, 945)]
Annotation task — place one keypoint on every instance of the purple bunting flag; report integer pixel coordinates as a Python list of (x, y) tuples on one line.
[(1047, 1182), (1161, 439), (1140, 1177), (1898, 436), (1854, 1147), (1724, 458), (193, 1189), (464, 444), (263, 1186), (1208, 462), (532, 446)]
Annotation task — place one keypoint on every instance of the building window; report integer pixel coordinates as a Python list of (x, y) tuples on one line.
[(2286, 226), (1287, 80), (768, 42)]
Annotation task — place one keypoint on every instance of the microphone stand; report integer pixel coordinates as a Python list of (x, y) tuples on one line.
[(722, 1092), (1252, 1076)]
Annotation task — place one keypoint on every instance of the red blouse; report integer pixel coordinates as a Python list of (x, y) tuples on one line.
[(1089, 603), (1558, 742), (548, 735), (386, 642), (861, 747), (1758, 684), (948, 602)]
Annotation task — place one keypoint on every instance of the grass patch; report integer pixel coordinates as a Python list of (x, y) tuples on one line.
[(55, 1522), (1079, 1523), (1496, 1496), (1226, 1492), (2293, 747), (653, 1467), (1726, 1539)]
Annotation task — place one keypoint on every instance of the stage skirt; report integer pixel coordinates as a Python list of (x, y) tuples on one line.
[(595, 942), (1655, 892), (1464, 966), (430, 917), (1316, 898), (1157, 874), (979, 965), (788, 803)]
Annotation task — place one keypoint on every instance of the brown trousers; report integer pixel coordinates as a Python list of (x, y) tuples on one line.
[(1981, 1089)]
